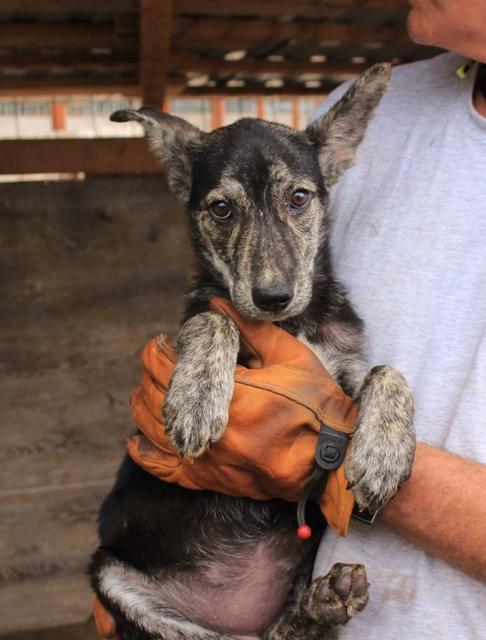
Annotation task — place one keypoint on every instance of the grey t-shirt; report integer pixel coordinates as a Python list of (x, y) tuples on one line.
[(409, 244)]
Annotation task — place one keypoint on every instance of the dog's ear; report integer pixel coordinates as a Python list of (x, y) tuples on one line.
[(338, 132), (172, 140)]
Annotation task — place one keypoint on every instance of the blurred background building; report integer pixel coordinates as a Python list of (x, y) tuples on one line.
[(65, 65)]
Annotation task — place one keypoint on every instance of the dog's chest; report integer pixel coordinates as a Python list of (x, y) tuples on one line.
[(327, 354)]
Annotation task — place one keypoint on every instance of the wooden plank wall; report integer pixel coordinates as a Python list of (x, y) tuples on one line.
[(89, 271), (98, 156)]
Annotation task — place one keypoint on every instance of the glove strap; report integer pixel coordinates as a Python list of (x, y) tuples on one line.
[(330, 451), (331, 448)]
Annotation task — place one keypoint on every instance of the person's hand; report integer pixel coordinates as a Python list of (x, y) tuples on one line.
[(267, 451)]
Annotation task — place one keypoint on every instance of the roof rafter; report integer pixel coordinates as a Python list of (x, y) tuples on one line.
[(155, 34)]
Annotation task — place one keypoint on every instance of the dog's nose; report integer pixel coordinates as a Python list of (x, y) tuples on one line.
[(272, 298)]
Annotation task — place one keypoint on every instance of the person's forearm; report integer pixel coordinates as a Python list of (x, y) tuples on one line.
[(442, 509)]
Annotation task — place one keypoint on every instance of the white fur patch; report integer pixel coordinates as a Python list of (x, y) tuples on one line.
[(142, 601)]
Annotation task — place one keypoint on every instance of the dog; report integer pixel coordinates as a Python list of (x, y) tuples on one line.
[(175, 564)]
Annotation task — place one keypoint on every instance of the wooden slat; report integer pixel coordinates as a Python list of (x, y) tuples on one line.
[(173, 90), (85, 630), (258, 90), (176, 87), (276, 8), (37, 60), (110, 273), (181, 62), (102, 156), (44, 603), (69, 36), (68, 6), (91, 270), (67, 86), (254, 87), (155, 33), (210, 33), (186, 62)]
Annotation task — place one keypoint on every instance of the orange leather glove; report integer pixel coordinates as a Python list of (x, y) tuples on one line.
[(105, 624), (267, 451)]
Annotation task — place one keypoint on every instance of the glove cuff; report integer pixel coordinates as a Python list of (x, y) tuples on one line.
[(337, 502)]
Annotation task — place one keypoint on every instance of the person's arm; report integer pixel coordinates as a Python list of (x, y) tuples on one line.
[(442, 509)]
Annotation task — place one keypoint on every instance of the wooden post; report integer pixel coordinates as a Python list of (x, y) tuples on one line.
[(58, 116), (295, 113), (261, 107), (217, 112), (155, 31)]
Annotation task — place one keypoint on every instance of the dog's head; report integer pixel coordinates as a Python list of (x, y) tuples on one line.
[(257, 193)]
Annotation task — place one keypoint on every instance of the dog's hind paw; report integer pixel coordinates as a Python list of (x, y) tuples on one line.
[(338, 596)]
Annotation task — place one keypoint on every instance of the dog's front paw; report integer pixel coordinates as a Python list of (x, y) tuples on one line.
[(194, 417), (339, 595), (196, 407), (375, 475), (381, 453)]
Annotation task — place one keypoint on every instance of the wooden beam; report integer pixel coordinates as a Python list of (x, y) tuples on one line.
[(49, 87), (68, 36), (187, 34), (269, 8), (102, 156), (277, 8), (68, 6), (191, 33), (62, 86), (86, 60), (210, 33), (68, 87), (258, 90), (181, 62), (155, 32)]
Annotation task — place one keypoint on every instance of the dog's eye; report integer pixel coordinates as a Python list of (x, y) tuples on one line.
[(300, 198), (220, 210)]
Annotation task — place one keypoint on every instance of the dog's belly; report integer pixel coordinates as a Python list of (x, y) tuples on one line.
[(242, 594)]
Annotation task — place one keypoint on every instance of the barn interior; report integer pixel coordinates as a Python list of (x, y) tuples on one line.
[(94, 251)]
